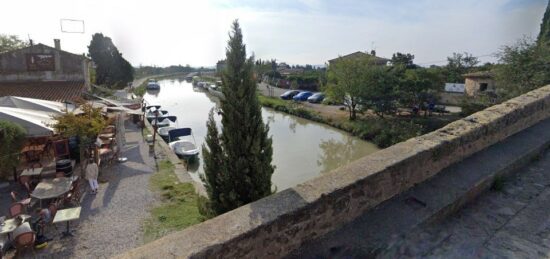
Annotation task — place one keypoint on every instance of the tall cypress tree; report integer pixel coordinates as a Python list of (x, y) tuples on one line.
[(544, 34), (237, 162)]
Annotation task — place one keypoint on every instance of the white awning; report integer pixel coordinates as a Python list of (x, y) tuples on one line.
[(36, 123), (34, 104)]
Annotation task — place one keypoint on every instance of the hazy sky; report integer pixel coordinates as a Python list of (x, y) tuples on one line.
[(164, 32)]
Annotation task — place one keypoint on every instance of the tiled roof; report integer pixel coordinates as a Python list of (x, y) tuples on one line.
[(359, 54), (58, 91), (479, 74)]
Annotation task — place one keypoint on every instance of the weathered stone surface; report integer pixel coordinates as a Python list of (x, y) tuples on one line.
[(274, 226)]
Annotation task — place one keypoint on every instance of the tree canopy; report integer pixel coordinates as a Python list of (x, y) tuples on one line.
[(347, 82), (11, 42), (524, 66), (111, 68), (544, 34), (12, 137), (237, 161), (458, 65), (401, 59)]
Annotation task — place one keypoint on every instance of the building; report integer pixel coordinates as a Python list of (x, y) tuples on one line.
[(43, 72), (454, 88), (359, 54), (479, 82)]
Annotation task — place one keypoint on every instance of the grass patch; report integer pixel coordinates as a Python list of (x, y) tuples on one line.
[(179, 204)]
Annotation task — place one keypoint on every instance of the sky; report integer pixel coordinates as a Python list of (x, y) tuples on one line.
[(172, 32)]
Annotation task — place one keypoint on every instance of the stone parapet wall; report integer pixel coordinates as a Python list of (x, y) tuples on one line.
[(276, 225)]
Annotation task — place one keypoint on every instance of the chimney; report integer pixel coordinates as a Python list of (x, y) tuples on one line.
[(57, 44)]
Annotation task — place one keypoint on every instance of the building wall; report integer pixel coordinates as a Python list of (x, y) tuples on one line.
[(449, 98), (472, 85), (68, 67)]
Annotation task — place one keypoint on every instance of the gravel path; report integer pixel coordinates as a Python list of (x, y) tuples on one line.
[(111, 221)]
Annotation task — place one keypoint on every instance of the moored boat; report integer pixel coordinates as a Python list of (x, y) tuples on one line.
[(153, 86), (163, 132), (184, 148)]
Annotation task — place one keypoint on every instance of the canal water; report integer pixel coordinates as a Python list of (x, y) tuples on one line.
[(302, 149)]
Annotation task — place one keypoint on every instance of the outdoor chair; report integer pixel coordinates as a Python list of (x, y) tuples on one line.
[(46, 220), (24, 239), (27, 183), (73, 196), (15, 198), (16, 209)]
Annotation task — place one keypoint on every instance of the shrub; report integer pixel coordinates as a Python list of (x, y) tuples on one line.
[(12, 137)]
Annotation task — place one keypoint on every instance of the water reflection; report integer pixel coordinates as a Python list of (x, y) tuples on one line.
[(335, 154), (301, 149)]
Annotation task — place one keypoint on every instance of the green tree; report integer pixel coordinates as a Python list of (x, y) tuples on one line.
[(380, 93), (12, 137), (458, 65), (419, 86), (402, 59), (111, 68), (524, 67), (345, 82), (11, 42), (86, 125), (237, 162), (544, 34)]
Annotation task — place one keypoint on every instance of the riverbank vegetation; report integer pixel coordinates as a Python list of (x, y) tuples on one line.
[(383, 132), (178, 208)]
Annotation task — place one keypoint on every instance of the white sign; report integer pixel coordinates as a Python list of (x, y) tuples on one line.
[(453, 87)]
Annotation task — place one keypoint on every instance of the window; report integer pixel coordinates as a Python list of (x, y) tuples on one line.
[(483, 87)]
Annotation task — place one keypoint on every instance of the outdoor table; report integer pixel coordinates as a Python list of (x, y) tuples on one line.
[(67, 215), (31, 172), (11, 224), (53, 188)]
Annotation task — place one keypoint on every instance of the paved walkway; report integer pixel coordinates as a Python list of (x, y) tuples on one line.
[(111, 221), (511, 223)]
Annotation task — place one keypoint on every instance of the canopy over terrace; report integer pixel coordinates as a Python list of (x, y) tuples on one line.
[(35, 104), (36, 123)]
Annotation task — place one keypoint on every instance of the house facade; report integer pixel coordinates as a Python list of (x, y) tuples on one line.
[(44, 72), (479, 83)]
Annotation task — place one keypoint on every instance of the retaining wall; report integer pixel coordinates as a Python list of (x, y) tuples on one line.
[(276, 225)]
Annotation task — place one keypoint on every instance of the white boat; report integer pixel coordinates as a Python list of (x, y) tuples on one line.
[(153, 86), (152, 114), (161, 122), (183, 148), (163, 132)]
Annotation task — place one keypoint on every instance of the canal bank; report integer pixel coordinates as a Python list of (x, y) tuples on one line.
[(302, 149)]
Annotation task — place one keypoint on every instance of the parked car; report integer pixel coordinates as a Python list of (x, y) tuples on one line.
[(289, 94), (316, 98), (302, 96)]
